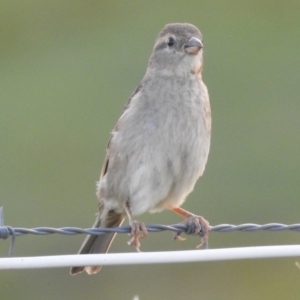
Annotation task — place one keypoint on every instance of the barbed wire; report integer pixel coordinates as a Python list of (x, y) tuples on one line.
[(6, 231), (189, 229)]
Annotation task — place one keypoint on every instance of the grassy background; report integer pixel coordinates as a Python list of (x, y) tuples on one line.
[(66, 70)]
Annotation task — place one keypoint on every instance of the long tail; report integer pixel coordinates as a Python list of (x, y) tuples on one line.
[(98, 243)]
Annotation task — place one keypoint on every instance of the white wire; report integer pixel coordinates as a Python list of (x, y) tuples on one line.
[(149, 257)]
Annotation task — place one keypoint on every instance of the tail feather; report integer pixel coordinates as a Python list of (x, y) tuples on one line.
[(98, 243)]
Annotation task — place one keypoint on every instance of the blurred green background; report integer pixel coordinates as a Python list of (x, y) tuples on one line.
[(66, 70)]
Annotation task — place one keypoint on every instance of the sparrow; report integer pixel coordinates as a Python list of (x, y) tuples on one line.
[(160, 144)]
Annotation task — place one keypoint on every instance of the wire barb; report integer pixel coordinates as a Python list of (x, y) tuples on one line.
[(6, 231)]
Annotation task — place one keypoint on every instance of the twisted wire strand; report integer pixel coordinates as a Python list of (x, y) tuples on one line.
[(6, 231)]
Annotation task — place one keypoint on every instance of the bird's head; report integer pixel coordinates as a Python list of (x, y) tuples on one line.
[(178, 49)]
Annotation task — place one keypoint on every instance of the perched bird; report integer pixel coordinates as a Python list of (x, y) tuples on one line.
[(160, 144)]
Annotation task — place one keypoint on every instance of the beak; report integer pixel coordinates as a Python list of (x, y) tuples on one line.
[(193, 46)]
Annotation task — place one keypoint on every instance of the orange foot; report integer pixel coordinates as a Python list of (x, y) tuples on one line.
[(197, 225)]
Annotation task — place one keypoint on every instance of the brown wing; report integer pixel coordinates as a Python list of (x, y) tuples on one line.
[(101, 243), (106, 160)]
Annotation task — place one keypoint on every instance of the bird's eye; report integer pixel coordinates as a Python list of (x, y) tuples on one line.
[(170, 41)]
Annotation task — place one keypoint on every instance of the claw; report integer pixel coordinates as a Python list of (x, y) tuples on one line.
[(176, 236), (197, 225), (138, 230), (202, 229)]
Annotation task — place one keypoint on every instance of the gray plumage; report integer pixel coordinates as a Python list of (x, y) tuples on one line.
[(160, 144)]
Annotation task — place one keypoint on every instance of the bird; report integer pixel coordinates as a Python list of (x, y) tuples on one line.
[(160, 144)]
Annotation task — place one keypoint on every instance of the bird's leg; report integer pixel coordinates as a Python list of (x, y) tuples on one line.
[(198, 224), (138, 229)]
